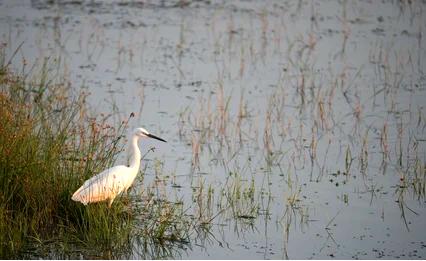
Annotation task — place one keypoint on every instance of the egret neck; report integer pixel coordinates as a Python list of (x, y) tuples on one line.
[(135, 161)]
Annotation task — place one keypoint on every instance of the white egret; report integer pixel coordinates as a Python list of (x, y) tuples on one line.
[(111, 182)]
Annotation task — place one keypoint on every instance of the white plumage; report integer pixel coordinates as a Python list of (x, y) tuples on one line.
[(111, 182)]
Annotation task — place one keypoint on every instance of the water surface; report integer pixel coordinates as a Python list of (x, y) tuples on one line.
[(312, 112)]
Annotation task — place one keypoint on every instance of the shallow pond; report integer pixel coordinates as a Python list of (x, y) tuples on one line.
[(295, 129)]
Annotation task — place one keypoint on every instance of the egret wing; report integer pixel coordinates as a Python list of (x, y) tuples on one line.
[(105, 185)]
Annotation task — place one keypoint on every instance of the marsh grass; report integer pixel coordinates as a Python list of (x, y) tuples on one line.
[(165, 222), (241, 197), (50, 145)]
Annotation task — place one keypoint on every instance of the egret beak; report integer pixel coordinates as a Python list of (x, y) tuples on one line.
[(155, 137)]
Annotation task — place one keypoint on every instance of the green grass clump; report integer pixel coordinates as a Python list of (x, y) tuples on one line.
[(48, 146)]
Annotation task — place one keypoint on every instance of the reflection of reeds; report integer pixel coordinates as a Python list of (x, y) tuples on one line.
[(384, 141), (348, 161), (242, 114), (419, 178), (222, 108), (313, 149), (181, 44), (346, 29), (264, 28), (401, 191), (195, 142), (363, 156), (267, 134), (295, 214)]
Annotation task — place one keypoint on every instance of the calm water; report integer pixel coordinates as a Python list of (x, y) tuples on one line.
[(319, 104)]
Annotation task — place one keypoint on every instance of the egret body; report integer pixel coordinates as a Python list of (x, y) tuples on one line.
[(111, 182)]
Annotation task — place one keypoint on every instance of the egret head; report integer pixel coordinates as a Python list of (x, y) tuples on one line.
[(142, 133)]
